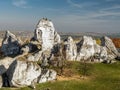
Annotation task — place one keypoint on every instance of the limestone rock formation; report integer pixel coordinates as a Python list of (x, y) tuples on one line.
[(40, 56), (111, 49), (70, 49), (5, 63), (57, 38), (45, 34), (35, 57), (88, 49), (57, 58), (46, 47), (103, 54), (85, 48), (100, 54), (22, 73), (10, 44), (97, 48), (45, 58), (47, 75)]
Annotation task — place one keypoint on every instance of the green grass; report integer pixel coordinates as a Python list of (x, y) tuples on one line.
[(102, 77)]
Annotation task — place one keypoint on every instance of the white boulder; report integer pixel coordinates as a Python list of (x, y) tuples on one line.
[(85, 48), (112, 52), (70, 49), (5, 63), (22, 73), (47, 75)]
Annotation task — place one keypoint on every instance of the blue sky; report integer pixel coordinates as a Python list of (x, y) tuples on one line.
[(67, 15)]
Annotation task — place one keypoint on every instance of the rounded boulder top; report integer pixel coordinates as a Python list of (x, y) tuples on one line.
[(44, 22)]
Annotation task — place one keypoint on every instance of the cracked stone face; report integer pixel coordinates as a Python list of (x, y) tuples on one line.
[(46, 35)]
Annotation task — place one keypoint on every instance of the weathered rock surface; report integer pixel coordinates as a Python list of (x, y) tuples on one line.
[(10, 44), (34, 46), (70, 49), (26, 49), (22, 73), (47, 75), (88, 49), (35, 57), (45, 34), (5, 63), (45, 58), (85, 48), (57, 38), (46, 47), (110, 47), (41, 56), (57, 58), (100, 54)]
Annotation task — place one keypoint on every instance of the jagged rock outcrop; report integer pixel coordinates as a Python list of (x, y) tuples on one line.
[(70, 49), (45, 34), (85, 48), (112, 52), (22, 73), (47, 75), (44, 50), (10, 44), (88, 49)]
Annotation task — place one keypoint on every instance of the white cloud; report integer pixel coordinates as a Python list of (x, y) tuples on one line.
[(76, 23), (74, 4), (112, 8), (108, 11), (103, 14), (100, 12), (20, 3), (81, 5), (110, 0)]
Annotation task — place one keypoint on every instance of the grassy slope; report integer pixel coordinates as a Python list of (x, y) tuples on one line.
[(102, 77)]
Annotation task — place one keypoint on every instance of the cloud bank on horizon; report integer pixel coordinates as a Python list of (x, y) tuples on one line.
[(67, 15)]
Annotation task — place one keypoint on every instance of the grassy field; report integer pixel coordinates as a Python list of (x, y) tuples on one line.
[(99, 77)]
